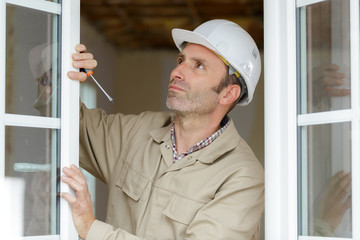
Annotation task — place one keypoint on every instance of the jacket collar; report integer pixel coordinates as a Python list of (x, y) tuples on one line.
[(226, 142)]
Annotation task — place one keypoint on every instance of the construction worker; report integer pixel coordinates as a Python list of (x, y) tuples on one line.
[(184, 174)]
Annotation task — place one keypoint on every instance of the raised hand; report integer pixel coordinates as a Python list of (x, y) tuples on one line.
[(81, 59)]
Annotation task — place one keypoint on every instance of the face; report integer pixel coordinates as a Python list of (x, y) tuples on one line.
[(191, 89)]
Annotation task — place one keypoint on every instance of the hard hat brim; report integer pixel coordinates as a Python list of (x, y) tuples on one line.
[(180, 36)]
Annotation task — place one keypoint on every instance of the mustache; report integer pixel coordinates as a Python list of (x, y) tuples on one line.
[(179, 83)]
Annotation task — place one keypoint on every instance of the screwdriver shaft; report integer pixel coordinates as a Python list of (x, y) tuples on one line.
[(89, 73), (107, 95)]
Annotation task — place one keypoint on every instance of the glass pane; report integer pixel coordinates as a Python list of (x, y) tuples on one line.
[(325, 56), (32, 155), (326, 180), (32, 62)]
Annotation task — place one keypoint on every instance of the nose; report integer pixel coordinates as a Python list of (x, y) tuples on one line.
[(178, 72)]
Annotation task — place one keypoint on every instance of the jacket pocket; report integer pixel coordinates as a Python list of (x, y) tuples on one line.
[(132, 183), (182, 210)]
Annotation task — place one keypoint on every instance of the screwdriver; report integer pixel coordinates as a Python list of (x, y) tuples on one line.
[(89, 73)]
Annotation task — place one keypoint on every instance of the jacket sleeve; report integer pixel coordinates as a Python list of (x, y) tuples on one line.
[(102, 139), (100, 230)]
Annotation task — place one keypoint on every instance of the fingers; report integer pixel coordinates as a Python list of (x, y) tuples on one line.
[(74, 178), (79, 76), (329, 80), (343, 187), (332, 82), (80, 48), (330, 67), (339, 200), (84, 60), (76, 173), (347, 203), (81, 59), (87, 63), (69, 198), (337, 92), (334, 179), (333, 78), (82, 56)]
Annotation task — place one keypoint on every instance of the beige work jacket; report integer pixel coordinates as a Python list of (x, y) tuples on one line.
[(214, 193)]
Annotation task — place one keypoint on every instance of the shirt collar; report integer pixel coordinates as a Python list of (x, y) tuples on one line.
[(200, 145), (226, 142)]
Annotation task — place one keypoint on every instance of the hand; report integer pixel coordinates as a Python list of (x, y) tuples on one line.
[(331, 80), (335, 200), (81, 59), (327, 81), (82, 211)]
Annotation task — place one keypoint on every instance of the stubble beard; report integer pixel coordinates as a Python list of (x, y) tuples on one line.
[(192, 104)]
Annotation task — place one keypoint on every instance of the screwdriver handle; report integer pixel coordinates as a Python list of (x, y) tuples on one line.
[(87, 71)]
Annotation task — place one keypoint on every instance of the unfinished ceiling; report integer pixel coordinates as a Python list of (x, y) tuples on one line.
[(146, 24)]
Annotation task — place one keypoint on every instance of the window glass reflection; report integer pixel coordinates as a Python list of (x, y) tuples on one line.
[(32, 155), (32, 62), (325, 56), (326, 180)]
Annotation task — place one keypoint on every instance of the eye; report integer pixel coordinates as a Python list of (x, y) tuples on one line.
[(180, 60), (200, 65)]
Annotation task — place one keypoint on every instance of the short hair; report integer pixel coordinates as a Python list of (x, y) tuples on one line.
[(233, 79)]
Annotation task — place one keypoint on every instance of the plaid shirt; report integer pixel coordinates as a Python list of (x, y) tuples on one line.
[(203, 143)]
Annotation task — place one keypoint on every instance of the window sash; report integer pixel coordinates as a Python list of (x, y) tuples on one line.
[(41, 5), (281, 122), (69, 121)]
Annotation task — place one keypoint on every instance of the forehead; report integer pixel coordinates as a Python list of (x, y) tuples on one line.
[(197, 51)]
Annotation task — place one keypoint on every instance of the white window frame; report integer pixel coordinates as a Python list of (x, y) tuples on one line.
[(281, 120), (69, 121)]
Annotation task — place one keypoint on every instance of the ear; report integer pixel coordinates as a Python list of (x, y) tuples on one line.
[(230, 94)]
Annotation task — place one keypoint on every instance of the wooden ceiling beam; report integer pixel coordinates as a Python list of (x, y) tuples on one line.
[(149, 11), (194, 12), (215, 9), (145, 2), (134, 24), (92, 2)]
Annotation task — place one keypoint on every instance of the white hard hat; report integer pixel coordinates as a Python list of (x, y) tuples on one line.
[(40, 58), (232, 43)]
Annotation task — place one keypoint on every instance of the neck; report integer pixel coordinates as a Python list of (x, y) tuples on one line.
[(191, 129)]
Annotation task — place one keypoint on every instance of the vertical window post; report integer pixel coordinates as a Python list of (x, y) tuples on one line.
[(280, 120), (69, 106)]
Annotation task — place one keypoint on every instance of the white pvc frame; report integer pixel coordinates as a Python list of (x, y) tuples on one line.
[(69, 107), (355, 121), (280, 120), (2, 85), (39, 5), (69, 121), (281, 197), (45, 237)]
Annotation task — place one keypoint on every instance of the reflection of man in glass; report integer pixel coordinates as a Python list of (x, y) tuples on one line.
[(328, 87), (37, 202), (40, 63)]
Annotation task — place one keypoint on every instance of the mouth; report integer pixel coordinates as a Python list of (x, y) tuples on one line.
[(175, 88)]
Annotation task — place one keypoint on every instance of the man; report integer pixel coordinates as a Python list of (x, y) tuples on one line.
[(185, 174)]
